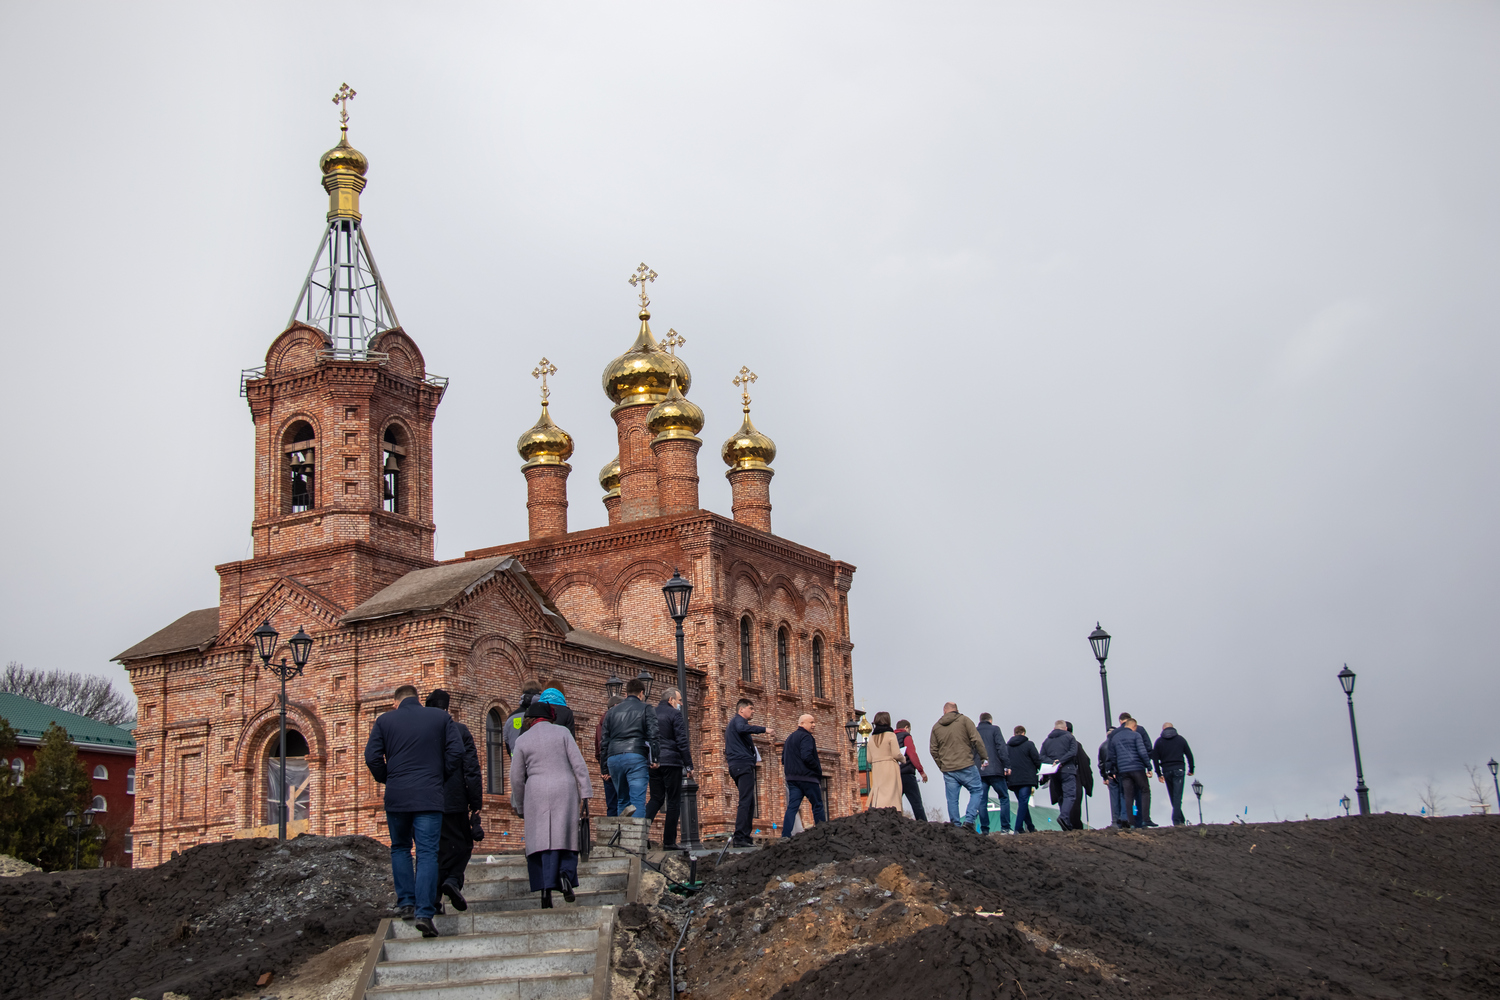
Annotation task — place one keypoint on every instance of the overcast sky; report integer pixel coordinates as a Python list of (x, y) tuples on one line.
[(1178, 317)]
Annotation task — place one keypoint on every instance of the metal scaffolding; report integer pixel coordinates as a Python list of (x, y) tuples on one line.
[(343, 294)]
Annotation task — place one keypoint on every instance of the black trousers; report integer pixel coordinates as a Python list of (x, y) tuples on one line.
[(1067, 778), (665, 783), (1135, 787), (455, 847), (744, 780), (912, 789)]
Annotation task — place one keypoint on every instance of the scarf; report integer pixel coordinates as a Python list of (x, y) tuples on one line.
[(552, 696)]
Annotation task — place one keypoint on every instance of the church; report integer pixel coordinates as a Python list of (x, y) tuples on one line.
[(343, 549)]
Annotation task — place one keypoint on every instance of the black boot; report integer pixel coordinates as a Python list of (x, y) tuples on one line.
[(567, 887), (546, 899)]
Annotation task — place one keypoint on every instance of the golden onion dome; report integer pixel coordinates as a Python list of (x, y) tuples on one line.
[(609, 477), (642, 374), (546, 443), (675, 417), (748, 448), (344, 158)]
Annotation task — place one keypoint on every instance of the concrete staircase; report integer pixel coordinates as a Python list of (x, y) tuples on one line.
[(505, 947)]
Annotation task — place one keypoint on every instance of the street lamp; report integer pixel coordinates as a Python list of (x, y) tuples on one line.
[(678, 593), (645, 678), (1198, 791), (1346, 681), (1495, 777), (77, 830), (1099, 639), (613, 686), (851, 729), (1345, 803), (265, 645)]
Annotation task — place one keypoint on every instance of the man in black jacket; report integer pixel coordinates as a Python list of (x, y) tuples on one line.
[(804, 773), (412, 750), (462, 796), (1173, 756), (741, 757), (993, 772), (1061, 748), (674, 761), (1083, 768), (630, 741)]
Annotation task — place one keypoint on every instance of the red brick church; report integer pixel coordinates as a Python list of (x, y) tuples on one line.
[(343, 548)]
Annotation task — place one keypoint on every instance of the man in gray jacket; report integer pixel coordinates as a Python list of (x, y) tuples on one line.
[(954, 745), (993, 772)]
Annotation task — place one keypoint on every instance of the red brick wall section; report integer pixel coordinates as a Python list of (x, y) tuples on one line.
[(677, 474), (638, 487), (547, 499), (612, 508), (119, 803), (751, 492)]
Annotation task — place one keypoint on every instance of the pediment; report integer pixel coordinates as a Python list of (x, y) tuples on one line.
[(289, 606)]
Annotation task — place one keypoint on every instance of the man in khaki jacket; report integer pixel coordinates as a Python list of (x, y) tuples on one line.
[(955, 747)]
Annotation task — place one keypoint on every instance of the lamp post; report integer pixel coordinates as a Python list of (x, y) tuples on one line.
[(1346, 681), (678, 593), (1198, 791), (77, 830), (1345, 803), (645, 678), (1099, 639), (613, 686), (1495, 777), (265, 645)]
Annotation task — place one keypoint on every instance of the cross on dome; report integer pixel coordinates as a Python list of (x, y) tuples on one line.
[(541, 371), (742, 382), (342, 98), (642, 275), (672, 341)]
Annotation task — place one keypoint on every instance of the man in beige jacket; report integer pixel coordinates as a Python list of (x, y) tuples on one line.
[(955, 746)]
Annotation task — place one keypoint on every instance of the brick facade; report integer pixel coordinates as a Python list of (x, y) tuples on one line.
[(113, 786)]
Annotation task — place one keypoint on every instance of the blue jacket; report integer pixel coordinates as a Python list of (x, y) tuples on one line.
[(411, 751), (995, 749), (672, 737), (799, 757), (1060, 747), (1129, 751), (738, 748)]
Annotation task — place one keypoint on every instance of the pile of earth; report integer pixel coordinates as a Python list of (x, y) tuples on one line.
[(206, 924), (878, 906)]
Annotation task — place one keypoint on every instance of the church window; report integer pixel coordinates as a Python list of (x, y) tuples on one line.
[(818, 689), (783, 659), (299, 444), (99, 805), (747, 665), (130, 782), (494, 746), (101, 773), (297, 777), (392, 457)]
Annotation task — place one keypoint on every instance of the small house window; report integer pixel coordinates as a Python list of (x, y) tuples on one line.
[(129, 843), (392, 457), (101, 773), (18, 768), (747, 666), (100, 805), (494, 752), (783, 659), (818, 690), (299, 445), (130, 781)]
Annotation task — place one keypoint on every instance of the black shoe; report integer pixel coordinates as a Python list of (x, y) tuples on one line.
[(567, 887), (424, 924), (408, 913), (546, 899), (455, 897)]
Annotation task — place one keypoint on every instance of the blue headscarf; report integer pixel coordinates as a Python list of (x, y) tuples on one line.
[(552, 696)]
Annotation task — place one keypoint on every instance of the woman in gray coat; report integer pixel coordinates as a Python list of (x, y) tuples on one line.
[(549, 784)]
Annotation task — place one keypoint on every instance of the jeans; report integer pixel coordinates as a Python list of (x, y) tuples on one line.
[(1175, 774), (417, 889), (997, 782), (744, 780), (967, 777), (913, 792), (1115, 806), (629, 772), (666, 788), (455, 848), (795, 792), (1135, 789), (1023, 809)]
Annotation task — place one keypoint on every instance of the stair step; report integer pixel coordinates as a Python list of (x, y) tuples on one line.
[(490, 944), (570, 986), (479, 871), (466, 970), (506, 922), (520, 885), (533, 900)]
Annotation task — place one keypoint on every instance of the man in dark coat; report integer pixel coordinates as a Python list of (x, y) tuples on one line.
[(1174, 765), (993, 772), (1132, 760), (674, 761), (741, 757), (1024, 761), (630, 742), (1061, 748), (462, 797), (411, 751), (804, 773), (1083, 768)]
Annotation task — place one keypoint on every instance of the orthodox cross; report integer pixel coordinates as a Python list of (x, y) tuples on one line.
[(541, 371), (742, 382), (342, 99), (672, 341), (642, 275)]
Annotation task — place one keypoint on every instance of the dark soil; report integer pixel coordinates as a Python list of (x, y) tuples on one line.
[(1380, 906), (205, 924)]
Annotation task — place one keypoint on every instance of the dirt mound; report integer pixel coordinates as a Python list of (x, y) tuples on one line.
[(205, 924), (15, 866), (1381, 906)]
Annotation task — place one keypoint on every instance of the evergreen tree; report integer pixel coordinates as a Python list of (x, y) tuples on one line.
[(12, 795), (59, 782)]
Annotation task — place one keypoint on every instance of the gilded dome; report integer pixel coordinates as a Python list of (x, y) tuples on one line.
[(344, 158), (642, 374), (675, 417), (546, 443), (609, 477), (748, 448)]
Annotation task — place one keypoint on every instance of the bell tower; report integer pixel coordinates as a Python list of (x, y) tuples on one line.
[(343, 410)]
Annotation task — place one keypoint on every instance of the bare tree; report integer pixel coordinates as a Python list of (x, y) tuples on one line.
[(1431, 800), (1479, 797), (81, 694)]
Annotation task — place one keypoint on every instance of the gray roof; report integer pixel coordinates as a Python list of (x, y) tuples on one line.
[(604, 644), (438, 586), (195, 630)]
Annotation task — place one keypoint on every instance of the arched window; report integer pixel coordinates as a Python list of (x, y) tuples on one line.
[(494, 752), (99, 805), (747, 665), (783, 659), (101, 773), (818, 689), (18, 768), (392, 457), (130, 782), (296, 777), (299, 445)]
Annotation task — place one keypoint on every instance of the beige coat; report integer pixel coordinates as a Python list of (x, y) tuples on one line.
[(883, 752), (547, 780)]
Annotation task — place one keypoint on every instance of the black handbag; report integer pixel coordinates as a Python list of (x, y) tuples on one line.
[(585, 835), (475, 830)]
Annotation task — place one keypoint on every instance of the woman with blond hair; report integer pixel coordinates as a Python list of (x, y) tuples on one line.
[(883, 752)]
